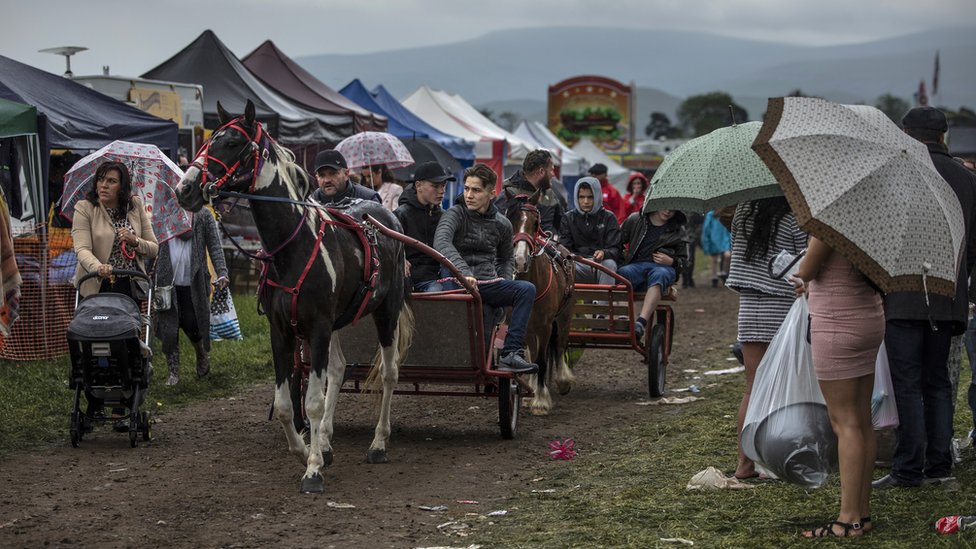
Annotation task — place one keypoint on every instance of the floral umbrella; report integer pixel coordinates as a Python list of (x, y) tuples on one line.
[(154, 178), (711, 171), (373, 149), (856, 181)]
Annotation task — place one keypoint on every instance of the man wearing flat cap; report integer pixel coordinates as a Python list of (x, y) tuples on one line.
[(612, 201), (419, 212), (918, 335), (334, 186)]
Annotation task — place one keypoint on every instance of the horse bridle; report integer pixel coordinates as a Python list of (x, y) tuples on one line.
[(537, 242), (258, 146)]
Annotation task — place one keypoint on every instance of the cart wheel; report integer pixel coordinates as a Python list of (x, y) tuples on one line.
[(509, 403), (146, 433), (656, 373), (75, 429)]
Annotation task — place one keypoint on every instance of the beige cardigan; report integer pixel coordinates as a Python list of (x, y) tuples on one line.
[(93, 236)]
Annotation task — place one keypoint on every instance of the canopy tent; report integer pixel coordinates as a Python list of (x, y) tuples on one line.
[(517, 148), (403, 123), (592, 154), (21, 175), (209, 62), (73, 116), (571, 162), (282, 74)]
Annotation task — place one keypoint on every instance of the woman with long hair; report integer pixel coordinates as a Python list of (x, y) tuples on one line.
[(636, 189), (380, 179)]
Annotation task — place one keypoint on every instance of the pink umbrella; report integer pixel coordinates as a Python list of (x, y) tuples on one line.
[(154, 178), (373, 149)]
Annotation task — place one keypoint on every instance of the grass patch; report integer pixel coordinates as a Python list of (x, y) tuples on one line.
[(630, 492), (35, 400)]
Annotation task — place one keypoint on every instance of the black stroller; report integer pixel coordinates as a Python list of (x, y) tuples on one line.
[(109, 360)]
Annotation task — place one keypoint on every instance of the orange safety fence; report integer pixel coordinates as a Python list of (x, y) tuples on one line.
[(47, 262)]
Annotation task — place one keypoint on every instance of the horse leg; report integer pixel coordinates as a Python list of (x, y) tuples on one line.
[(283, 348), (389, 373), (312, 482), (335, 376), (562, 376), (541, 403)]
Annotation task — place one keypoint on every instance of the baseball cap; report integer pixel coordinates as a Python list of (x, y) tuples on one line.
[(330, 159), (432, 171)]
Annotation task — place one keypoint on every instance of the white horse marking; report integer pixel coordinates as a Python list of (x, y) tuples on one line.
[(315, 410), (389, 374), (335, 373), (285, 414)]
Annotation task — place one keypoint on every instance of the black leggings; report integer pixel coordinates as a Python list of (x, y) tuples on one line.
[(188, 317)]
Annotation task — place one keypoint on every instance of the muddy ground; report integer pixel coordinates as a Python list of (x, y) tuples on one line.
[(217, 473)]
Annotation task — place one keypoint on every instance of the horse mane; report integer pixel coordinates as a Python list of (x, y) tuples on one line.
[(291, 173)]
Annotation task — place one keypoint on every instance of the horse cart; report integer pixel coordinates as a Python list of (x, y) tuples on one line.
[(604, 316), (454, 349)]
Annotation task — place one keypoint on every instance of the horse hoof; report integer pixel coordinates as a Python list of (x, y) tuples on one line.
[(327, 457), (539, 411), (376, 456), (564, 389), (314, 484)]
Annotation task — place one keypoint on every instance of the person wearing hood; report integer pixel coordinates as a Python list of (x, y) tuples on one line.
[(419, 213), (656, 248), (592, 232), (477, 239), (334, 186), (537, 170), (636, 188), (612, 200)]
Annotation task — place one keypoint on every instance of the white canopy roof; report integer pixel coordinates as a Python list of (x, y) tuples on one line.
[(592, 154), (572, 163)]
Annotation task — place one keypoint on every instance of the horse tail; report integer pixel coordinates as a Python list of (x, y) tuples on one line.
[(405, 329)]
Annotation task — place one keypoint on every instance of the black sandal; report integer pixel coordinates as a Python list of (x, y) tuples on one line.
[(864, 522), (828, 530)]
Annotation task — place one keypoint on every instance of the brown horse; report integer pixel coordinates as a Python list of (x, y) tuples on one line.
[(541, 262)]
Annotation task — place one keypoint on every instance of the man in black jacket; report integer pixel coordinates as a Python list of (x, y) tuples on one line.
[(918, 335), (477, 239), (536, 169), (419, 212), (332, 176), (656, 249), (592, 232)]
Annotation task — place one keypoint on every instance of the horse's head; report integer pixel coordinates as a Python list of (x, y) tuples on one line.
[(230, 160), (523, 212)]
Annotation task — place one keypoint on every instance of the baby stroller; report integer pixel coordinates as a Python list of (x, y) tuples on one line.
[(109, 361)]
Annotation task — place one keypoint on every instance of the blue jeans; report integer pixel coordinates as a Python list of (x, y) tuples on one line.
[(520, 295), (645, 274), (918, 359), (435, 286), (588, 275), (970, 340)]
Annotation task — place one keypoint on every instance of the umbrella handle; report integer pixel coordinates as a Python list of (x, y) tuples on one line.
[(779, 275)]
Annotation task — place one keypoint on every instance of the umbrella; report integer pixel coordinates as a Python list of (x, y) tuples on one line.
[(860, 184), (154, 178), (425, 150), (373, 149), (711, 171)]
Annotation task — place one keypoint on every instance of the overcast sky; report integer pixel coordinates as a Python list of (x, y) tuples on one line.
[(135, 36)]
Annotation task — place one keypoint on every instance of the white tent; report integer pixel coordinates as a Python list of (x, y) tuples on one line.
[(592, 154), (570, 162)]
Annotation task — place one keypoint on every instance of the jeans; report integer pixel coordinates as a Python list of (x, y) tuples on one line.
[(588, 275), (435, 286), (520, 295), (644, 274), (970, 340), (918, 359)]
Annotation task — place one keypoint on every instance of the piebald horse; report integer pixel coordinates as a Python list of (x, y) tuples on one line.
[(322, 270), (538, 260)]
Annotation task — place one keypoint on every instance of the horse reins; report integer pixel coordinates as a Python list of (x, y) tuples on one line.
[(540, 240)]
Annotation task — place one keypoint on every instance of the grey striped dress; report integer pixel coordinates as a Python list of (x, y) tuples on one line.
[(763, 301)]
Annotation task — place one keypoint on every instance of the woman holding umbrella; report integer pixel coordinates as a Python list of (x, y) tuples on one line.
[(379, 178)]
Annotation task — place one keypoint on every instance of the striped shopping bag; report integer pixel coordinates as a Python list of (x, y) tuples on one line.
[(223, 316)]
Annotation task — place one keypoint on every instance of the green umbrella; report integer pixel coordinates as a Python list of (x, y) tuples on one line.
[(711, 171)]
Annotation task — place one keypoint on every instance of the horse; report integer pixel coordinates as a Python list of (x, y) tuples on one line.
[(322, 271), (541, 262)]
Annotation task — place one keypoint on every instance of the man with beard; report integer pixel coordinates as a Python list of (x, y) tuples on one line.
[(537, 170), (332, 176)]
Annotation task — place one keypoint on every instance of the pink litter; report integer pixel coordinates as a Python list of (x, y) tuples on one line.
[(562, 449)]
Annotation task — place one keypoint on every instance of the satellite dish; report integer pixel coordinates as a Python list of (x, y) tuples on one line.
[(67, 52)]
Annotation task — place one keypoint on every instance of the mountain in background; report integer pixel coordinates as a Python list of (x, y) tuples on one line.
[(511, 70)]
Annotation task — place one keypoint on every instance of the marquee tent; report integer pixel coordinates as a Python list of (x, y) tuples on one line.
[(592, 154), (209, 62), (20, 153), (282, 74), (73, 116), (571, 164), (403, 123)]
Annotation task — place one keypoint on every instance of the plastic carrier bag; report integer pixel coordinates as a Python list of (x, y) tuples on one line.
[(786, 429), (223, 316), (884, 411)]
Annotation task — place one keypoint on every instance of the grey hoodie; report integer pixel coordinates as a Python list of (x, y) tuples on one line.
[(586, 232)]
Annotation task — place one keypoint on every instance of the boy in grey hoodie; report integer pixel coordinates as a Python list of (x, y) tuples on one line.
[(592, 232)]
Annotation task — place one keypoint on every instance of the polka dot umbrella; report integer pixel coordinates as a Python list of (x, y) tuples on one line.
[(856, 181), (373, 149)]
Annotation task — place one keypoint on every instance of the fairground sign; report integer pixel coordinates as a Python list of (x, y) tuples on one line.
[(593, 107)]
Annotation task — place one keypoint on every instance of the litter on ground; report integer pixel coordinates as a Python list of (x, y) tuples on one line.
[(713, 479)]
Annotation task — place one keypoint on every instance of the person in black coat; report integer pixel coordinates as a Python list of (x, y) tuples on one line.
[(592, 232), (419, 212), (537, 171), (332, 176), (918, 334)]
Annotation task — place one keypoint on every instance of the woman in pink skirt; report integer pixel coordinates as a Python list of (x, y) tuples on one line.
[(846, 329)]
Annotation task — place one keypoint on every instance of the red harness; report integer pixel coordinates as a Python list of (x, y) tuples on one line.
[(538, 241), (230, 172)]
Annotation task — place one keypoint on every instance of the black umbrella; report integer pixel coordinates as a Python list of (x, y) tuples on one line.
[(426, 150)]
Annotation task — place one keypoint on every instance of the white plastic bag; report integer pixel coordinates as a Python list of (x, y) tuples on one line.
[(787, 429), (884, 411)]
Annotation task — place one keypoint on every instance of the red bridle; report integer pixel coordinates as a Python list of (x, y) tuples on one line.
[(230, 172)]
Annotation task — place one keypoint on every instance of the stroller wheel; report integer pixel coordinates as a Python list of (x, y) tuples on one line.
[(146, 434)]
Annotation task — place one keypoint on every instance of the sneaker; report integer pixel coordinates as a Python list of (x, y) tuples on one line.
[(639, 329), (889, 481), (936, 481), (514, 362)]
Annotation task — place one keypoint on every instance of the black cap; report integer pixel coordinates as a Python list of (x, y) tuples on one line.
[(330, 159), (925, 118), (432, 171), (598, 169)]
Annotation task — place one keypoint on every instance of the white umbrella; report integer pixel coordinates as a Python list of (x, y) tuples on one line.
[(859, 183)]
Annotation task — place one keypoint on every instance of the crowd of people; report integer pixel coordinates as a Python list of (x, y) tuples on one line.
[(849, 317)]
